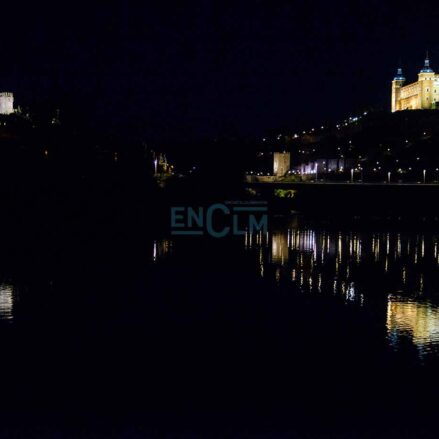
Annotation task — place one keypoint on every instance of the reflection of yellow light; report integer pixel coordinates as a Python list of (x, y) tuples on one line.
[(419, 321), (279, 248)]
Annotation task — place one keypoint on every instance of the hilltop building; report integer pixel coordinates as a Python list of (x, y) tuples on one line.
[(420, 95), (6, 103)]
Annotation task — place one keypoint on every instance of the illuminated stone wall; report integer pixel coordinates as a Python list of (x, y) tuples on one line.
[(281, 163), (6, 103)]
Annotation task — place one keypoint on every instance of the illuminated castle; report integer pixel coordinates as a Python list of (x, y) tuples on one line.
[(420, 95), (6, 103)]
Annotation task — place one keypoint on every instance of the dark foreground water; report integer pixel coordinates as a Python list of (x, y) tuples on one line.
[(310, 330)]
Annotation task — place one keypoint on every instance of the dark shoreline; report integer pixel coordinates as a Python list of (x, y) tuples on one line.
[(413, 201)]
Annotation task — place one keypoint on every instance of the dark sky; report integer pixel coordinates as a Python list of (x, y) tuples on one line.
[(186, 70)]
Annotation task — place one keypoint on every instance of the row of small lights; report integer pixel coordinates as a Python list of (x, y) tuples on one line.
[(350, 120), (341, 169), (346, 122)]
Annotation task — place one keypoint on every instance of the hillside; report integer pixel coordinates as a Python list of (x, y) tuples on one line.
[(373, 144)]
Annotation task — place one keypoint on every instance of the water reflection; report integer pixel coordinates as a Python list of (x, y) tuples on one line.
[(361, 267), (412, 319), (313, 260), (7, 298), (279, 248), (161, 248)]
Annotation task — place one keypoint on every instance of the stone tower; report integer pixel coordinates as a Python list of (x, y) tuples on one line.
[(397, 83), (426, 82), (6, 103), (281, 163)]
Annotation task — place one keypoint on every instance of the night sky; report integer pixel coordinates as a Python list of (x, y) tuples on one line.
[(183, 71)]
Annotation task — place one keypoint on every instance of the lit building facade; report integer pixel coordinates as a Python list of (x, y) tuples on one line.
[(420, 95)]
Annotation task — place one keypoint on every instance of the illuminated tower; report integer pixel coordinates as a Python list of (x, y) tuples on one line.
[(426, 81), (281, 163), (397, 83), (6, 103)]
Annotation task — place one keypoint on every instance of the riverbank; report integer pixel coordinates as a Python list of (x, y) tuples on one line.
[(334, 199)]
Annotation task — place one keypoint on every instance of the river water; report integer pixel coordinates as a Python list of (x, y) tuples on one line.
[(307, 329)]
